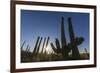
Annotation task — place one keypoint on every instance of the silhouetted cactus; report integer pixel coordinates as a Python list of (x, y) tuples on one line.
[(86, 50), (47, 41), (38, 49), (43, 45), (63, 37), (75, 51), (23, 45), (57, 44), (56, 49), (61, 50), (79, 40), (36, 45), (27, 50), (27, 47), (87, 53), (64, 50)]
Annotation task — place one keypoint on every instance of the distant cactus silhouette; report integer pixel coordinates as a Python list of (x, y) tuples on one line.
[(27, 47), (86, 50), (47, 41), (36, 45), (23, 45), (27, 50), (37, 50), (87, 53), (43, 44)]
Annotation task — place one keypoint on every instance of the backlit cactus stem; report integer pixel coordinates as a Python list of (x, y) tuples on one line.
[(36, 45), (63, 37), (38, 48), (43, 45), (54, 49), (23, 45), (87, 53), (57, 44), (75, 51), (47, 41)]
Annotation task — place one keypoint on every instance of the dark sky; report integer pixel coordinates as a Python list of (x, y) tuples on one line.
[(47, 23)]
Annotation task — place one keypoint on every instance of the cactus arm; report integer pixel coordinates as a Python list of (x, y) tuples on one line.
[(53, 47), (79, 40), (57, 44), (75, 51), (71, 31)]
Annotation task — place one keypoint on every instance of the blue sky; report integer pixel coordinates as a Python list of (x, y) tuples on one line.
[(47, 23)]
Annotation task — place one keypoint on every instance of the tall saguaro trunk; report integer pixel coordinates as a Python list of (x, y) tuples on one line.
[(63, 37), (75, 51), (64, 47)]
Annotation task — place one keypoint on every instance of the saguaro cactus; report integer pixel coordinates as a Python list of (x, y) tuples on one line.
[(64, 46), (75, 51), (64, 50)]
